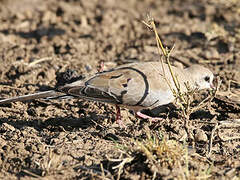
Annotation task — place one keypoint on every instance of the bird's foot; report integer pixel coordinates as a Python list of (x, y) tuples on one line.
[(152, 119)]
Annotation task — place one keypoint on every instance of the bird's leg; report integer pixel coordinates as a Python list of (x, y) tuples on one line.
[(118, 116), (144, 116)]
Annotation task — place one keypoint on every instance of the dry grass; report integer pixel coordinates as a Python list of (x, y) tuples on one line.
[(160, 151), (51, 162)]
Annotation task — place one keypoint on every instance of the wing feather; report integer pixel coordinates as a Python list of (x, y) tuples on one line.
[(115, 86)]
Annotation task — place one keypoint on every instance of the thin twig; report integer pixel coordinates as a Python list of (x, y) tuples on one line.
[(31, 173), (121, 165), (211, 140), (39, 61)]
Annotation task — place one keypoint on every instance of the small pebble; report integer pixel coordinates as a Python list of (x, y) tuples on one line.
[(200, 136)]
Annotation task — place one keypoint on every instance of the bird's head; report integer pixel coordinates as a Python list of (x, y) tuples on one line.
[(202, 77)]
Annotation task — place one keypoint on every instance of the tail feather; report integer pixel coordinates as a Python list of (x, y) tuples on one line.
[(39, 95)]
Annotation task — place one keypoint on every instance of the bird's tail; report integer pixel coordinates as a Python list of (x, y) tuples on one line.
[(46, 94)]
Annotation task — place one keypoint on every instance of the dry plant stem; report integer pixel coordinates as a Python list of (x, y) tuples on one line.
[(102, 169), (211, 139), (177, 93), (39, 61), (160, 46), (167, 56), (31, 173), (158, 38)]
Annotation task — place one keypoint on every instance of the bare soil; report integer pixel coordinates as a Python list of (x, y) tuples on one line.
[(77, 139)]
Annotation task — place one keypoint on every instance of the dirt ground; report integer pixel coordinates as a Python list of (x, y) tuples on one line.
[(77, 139)]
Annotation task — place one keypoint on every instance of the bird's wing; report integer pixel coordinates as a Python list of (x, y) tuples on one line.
[(123, 85), (138, 84)]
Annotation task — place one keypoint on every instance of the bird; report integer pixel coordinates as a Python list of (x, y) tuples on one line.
[(136, 86)]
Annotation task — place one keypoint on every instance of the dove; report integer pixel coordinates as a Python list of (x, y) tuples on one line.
[(135, 86)]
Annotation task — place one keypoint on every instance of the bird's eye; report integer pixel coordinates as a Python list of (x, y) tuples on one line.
[(207, 78)]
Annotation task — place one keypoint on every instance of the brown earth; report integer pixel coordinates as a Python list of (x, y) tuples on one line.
[(77, 139)]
